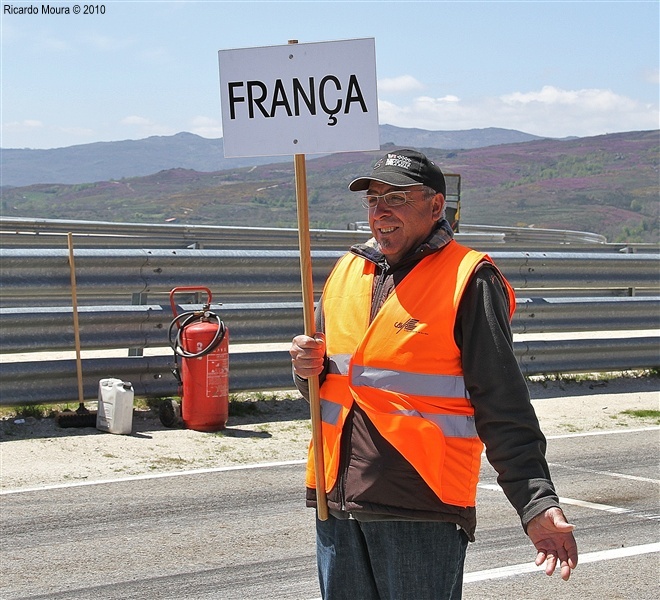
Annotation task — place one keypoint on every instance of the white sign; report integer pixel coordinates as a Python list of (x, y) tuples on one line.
[(299, 98)]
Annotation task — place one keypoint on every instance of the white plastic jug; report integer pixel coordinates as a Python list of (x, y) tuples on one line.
[(115, 410)]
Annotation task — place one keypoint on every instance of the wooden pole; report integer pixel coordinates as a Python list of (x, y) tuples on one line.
[(310, 330), (76, 327), (307, 281)]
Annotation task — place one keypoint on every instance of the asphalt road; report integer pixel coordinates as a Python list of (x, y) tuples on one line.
[(245, 534)]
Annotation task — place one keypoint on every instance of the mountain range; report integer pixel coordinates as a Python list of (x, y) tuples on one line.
[(604, 184), (102, 161)]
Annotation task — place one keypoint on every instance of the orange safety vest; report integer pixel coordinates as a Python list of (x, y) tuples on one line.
[(404, 369)]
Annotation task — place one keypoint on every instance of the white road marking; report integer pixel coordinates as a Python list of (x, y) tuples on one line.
[(606, 473), (584, 504), (608, 432), (590, 557), (497, 573), (155, 476), (259, 466)]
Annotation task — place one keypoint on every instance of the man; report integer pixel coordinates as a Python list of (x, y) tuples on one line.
[(415, 361)]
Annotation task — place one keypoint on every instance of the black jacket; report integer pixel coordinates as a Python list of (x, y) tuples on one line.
[(375, 482)]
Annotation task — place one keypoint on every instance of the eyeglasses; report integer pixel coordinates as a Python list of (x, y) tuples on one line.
[(390, 199)]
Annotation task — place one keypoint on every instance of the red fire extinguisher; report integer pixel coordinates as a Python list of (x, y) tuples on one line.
[(201, 339)]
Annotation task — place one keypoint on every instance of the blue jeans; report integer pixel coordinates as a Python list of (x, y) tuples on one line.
[(389, 560)]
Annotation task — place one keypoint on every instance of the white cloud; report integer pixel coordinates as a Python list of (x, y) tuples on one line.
[(83, 134), (444, 99), (37, 134), (53, 44), (404, 83), (106, 42), (652, 76), (25, 125), (142, 126), (592, 99), (206, 127), (135, 120), (550, 111)]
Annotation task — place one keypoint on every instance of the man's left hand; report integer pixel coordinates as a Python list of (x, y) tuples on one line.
[(553, 538)]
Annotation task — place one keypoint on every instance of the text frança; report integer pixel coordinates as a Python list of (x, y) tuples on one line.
[(330, 96)]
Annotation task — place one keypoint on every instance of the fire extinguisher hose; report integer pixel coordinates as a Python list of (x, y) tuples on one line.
[(188, 318)]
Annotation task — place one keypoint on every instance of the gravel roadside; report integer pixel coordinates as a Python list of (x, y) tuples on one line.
[(276, 427)]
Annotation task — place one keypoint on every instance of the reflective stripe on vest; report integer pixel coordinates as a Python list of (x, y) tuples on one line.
[(461, 426), (455, 426), (418, 384), (338, 364), (330, 411)]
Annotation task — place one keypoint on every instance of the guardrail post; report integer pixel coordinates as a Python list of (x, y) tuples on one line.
[(137, 298)]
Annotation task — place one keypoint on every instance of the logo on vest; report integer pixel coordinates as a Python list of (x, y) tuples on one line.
[(409, 326)]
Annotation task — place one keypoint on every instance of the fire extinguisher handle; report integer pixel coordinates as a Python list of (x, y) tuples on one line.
[(189, 288)]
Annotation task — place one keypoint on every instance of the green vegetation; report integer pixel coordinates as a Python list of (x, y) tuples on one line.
[(595, 377), (242, 408), (605, 184), (644, 414), (36, 411)]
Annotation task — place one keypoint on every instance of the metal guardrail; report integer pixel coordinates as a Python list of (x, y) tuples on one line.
[(260, 291), (19, 232), (146, 326), (527, 234), (483, 237), (141, 327), (23, 232), (51, 381), (27, 276), (55, 381), (533, 234)]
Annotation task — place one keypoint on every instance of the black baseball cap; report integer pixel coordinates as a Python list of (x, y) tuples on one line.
[(403, 168)]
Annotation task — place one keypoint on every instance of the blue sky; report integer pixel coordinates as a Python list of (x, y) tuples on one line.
[(151, 68)]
